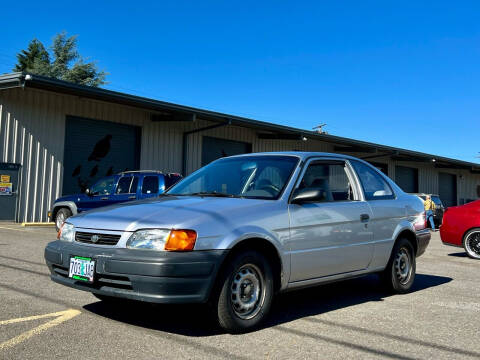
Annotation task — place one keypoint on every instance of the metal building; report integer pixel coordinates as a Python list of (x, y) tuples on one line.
[(58, 138)]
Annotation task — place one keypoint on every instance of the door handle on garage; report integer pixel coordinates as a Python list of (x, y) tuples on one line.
[(364, 217)]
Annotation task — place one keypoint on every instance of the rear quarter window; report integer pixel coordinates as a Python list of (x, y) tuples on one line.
[(375, 187)]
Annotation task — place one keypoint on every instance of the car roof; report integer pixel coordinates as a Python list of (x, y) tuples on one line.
[(300, 154), (145, 172)]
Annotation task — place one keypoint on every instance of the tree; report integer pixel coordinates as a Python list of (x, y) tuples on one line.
[(66, 63), (35, 59)]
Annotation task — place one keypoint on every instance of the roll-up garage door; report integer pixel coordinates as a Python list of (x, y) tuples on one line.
[(407, 178), (214, 148), (447, 189), (94, 149)]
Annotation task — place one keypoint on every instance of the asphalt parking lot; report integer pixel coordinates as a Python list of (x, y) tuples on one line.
[(355, 319)]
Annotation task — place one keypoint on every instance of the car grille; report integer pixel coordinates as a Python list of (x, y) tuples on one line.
[(103, 239)]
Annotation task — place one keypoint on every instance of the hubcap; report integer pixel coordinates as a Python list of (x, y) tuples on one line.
[(472, 244), (60, 219), (247, 291), (403, 266)]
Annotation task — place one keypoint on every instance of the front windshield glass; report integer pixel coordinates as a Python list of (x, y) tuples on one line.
[(260, 177), (103, 186)]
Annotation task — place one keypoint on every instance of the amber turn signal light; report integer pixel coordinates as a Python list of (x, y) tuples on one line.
[(59, 233), (181, 240)]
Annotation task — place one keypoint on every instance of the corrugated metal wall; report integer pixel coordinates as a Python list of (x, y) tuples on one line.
[(32, 131)]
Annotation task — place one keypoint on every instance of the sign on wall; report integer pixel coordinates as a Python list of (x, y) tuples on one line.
[(4, 178), (5, 188)]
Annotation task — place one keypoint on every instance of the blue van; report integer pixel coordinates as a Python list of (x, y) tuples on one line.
[(125, 186)]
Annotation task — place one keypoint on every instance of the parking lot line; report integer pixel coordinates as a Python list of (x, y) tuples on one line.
[(7, 228), (61, 317)]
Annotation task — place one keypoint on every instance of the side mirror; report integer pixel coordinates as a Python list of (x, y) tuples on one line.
[(307, 195), (88, 192)]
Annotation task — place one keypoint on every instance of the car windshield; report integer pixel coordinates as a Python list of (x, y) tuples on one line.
[(260, 177), (103, 186)]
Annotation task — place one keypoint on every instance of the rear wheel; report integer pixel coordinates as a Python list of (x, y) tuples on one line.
[(60, 217), (244, 292), (399, 274), (471, 243)]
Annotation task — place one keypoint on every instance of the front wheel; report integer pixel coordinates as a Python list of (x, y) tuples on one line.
[(244, 292), (399, 274), (471, 243)]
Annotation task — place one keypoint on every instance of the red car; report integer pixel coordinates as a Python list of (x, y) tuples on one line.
[(461, 227)]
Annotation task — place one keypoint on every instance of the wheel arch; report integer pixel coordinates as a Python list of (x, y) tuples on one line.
[(467, 231), (63, 204), (410, 236), (266, 248)]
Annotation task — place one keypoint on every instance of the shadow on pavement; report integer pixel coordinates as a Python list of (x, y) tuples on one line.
[(459, 254), (195, 320)]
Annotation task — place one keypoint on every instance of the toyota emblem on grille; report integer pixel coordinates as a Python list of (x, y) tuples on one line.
[(94, 238)]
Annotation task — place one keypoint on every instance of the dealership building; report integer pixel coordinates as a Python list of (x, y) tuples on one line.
[(58, 138)]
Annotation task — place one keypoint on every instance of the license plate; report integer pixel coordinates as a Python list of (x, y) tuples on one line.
[(81, 268)]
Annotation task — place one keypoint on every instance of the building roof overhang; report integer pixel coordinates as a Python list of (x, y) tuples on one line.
[(166, 111)]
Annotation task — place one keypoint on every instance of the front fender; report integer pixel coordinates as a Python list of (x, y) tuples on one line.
[(237, 235)]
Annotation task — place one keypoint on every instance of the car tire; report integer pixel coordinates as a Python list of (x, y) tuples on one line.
[(399, 274), (471, 243), (244, 292), (60, 217)]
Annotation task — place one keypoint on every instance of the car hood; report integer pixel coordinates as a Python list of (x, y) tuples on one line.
[(168, 212)]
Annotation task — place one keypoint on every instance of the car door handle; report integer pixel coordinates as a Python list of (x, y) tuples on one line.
[(364, 217), (104, 198), (132, 197)]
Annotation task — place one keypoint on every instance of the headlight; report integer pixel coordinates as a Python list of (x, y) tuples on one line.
[(66, 232), (154, 239), (161, 240)]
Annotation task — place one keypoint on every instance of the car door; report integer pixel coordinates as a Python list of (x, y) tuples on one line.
[(330, 235), (127, 187), (387, 210)]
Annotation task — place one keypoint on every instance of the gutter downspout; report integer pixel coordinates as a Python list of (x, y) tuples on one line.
[(185, 140)]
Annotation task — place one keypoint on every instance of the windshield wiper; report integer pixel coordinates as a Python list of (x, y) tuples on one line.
[(211, 193)]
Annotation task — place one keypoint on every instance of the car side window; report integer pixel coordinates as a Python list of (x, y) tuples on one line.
[(374, 186), (150, 185), (127, 185), (171, 180), (330, 178)]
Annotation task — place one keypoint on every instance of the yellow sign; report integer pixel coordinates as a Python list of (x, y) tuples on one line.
[(5, 178)]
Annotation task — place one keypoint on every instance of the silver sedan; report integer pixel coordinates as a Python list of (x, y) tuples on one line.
[(243, 228)]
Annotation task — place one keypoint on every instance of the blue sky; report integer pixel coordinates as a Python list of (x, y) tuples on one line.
[(405, 75)]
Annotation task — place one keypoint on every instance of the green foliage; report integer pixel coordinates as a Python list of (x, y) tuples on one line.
[(67, 64)]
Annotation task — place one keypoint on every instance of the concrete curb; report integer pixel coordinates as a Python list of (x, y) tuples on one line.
[(38, 224)]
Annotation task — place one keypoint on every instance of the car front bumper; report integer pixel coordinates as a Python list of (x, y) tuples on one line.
[(423, 239), (159, 277)]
